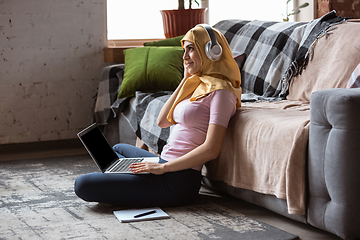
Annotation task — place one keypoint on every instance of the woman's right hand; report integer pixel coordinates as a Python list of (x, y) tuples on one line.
[(162, 120), (148, 167)]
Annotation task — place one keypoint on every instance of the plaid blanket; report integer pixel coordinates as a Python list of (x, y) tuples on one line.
[(142, 115), (108, 90), (269, 46), (276, 51)]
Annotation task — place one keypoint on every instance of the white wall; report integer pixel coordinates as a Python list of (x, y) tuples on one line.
[(51, 57), (307, 14)]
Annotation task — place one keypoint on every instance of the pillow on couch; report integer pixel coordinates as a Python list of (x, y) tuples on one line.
[(335, 58), (175, 41), (151, 69)]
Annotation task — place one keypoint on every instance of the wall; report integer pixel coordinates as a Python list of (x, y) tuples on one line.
[(306, 14), (51, 57), (346, 8)]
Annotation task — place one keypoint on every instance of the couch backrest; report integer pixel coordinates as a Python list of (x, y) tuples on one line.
[(335, 58)]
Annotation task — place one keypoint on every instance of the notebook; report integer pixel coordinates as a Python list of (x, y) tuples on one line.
[(104, 155), (136, 215)]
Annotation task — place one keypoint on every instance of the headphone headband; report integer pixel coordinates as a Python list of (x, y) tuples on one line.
[(213, 49)]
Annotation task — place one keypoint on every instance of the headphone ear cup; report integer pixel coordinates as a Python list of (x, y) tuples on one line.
[(213, 53)]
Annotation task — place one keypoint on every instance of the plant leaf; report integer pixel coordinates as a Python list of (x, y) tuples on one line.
[(301, 6), (295, 12), (304, 5)]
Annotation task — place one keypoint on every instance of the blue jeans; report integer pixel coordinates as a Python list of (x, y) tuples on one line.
[(139, 190)]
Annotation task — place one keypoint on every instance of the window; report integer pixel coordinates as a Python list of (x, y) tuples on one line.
[(141, 19), (131, 23)]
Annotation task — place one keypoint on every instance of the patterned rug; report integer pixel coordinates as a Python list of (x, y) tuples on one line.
[(37, 201)]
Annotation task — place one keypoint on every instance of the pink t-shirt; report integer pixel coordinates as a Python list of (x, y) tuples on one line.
[(193, 119)]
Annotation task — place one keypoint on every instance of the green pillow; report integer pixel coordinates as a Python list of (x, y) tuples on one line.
[(175, 41), (151, 69)]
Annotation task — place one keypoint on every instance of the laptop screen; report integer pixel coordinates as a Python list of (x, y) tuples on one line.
[(98, 147)]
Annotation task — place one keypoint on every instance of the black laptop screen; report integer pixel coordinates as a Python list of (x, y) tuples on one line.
[(99, 148)]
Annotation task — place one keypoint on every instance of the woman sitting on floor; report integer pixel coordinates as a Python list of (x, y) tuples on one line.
[(201, 108)]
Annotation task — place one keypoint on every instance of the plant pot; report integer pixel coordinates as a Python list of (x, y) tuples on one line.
[(180, 21)]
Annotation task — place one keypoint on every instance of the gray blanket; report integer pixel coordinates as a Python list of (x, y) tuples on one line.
[(142, 115), (276, 52), (108, 90)]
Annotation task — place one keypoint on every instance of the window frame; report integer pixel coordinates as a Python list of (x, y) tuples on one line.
[(114, 50)]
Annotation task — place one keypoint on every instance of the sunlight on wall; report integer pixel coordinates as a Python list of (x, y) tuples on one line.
[(142, 18)]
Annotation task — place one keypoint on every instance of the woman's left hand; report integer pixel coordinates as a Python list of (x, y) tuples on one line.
[(150, 167)]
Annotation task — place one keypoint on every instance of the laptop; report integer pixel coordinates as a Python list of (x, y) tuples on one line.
[(104, 155)]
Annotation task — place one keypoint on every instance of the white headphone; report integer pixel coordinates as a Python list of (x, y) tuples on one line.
[(213, 49)]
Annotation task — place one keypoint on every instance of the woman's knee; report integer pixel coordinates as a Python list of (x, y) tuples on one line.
[(84, 186), (127, 150), (119, 149)]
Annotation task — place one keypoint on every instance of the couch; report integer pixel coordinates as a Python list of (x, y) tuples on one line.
[(293, 146)]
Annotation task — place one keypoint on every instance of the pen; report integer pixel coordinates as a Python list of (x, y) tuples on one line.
[(145, 213)]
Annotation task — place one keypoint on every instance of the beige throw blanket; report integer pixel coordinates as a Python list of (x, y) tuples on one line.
[(265, 149)]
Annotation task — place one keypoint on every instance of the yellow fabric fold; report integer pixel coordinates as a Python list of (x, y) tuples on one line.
[(214, 75)]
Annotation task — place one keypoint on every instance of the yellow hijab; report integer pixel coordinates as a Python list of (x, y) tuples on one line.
[(214, 75)]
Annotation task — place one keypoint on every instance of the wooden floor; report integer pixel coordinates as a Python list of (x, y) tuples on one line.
[(74, 147)]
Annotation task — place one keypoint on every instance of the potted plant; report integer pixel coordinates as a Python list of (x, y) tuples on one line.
[(178, 21)]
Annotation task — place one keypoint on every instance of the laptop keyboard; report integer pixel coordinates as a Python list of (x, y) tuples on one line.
[(123, 166)]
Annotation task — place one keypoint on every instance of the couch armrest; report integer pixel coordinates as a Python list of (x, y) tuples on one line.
[(334, 161)]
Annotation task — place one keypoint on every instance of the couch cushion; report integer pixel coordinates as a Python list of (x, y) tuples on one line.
[(335, 58), (151, 69)]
